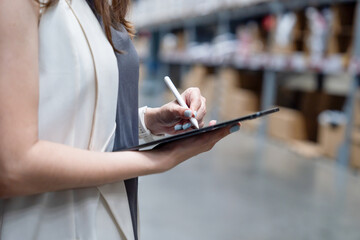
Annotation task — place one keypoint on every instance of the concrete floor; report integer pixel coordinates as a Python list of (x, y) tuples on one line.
[(233, 193), (242, 191)]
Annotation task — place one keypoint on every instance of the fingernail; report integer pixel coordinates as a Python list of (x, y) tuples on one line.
[(234, 128), (178, 127), (195, 114), (186, 126), (188, 113)]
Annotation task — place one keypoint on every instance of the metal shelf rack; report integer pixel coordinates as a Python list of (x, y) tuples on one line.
[(158, 65)]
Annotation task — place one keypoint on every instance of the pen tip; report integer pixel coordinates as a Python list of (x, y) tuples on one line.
[(195, 123)]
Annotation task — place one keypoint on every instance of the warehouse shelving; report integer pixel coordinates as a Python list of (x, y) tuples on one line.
[(220, 15), (223, 11), (275, 62)]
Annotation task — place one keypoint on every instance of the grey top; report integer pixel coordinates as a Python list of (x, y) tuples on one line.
[(127, 132)]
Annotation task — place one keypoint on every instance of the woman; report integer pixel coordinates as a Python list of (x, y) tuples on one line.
[(59, 88)]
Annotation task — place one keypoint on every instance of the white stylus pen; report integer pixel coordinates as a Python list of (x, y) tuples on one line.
[(180, 100)]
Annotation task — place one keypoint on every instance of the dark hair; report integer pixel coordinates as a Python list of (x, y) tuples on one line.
[(112, 15)]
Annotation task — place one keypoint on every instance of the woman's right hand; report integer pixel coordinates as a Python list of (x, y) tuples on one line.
[(171, 154)]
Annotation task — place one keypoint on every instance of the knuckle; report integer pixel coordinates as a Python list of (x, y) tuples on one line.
[(195, 90), (174, 111)]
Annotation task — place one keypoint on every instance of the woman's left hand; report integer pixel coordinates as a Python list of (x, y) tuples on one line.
[(172, 118)]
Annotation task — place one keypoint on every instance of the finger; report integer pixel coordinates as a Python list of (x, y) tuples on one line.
[(186, 126), (178, 127), (182, 126), (212, 122), (193, 98), (182, 113), (223, 132), (201, 111), (201, 124), (235, 128)]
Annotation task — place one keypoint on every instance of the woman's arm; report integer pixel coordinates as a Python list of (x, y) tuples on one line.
[(30, 166)]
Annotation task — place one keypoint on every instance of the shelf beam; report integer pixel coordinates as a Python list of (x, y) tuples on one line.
[(345, 149), (268, 97), (242, 12)]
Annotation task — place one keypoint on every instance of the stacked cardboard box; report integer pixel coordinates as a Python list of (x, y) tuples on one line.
[(330, 138), (306, 149), (200, 76), (287, 125), (341, 37), (314, 103), (195, 77), (355, 146), (235, 100), (355, 149), (288, 36), (250, 39), (356, 112)]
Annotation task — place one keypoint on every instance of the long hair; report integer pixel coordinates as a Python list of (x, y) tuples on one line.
[(112, 13)]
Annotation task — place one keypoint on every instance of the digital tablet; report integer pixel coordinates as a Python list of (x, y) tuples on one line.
[(202, 130)]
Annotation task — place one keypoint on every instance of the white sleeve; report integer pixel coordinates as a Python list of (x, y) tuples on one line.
[(144, 132)]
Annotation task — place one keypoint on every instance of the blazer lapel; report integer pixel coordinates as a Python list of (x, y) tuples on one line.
[(114, 194), (116, 199)]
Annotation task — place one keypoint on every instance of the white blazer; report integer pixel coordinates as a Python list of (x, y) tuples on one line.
[(78, 93)]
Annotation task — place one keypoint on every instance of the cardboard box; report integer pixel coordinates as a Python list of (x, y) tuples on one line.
[(355, 155), (250, 39), (181, 41), (330, 138), (238, 102), (344, 16), (355, 149), (295, 39), (250, 80), (207, 88), (356, 118), (199, 77), (314, 103), (306, 149), (342, 32), (287, 125), (288, 98), (237, 96), (195, 77), (230, 78)]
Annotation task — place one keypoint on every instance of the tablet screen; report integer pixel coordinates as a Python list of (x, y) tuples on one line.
[(203, 130)]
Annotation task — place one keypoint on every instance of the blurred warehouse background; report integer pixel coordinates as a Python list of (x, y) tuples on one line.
[(294, 175)]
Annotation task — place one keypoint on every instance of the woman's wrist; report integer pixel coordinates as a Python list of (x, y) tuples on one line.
[(159, 161), (151, 120)]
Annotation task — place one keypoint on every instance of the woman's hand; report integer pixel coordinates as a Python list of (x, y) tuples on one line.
[(173, 118), (169, 155)]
